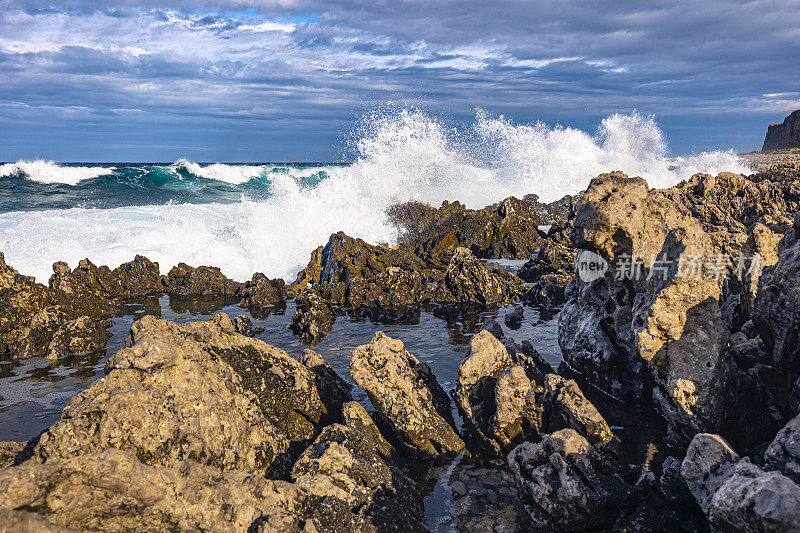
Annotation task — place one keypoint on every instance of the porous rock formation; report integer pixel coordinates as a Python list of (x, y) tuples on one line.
[(387, 284), (182, 431), (407, 396), (650, 328), (735, 494)]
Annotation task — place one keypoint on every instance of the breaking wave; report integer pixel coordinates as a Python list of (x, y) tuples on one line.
[(269, 218)]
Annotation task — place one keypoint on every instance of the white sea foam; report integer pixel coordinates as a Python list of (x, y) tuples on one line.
[(50, 172), (233, 174), (401, 156)]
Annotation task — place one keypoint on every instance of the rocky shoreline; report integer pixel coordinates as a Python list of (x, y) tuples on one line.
[(675, 407)]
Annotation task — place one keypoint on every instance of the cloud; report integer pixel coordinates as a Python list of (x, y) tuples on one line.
[(306, 68)]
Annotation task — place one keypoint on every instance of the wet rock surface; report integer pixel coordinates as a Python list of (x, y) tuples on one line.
[(202, 426), (407, 396), (735, 494), (508, 230), (495, 395), (649, 330), (183, 430)]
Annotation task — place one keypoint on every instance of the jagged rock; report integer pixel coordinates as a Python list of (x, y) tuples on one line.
[(357, 489), (493, 327), (193, 391), (30, 314), (242, 324), (97, 289), (261, 291), (112, 490), (497, 408), (506, 230), (313, 319), (394, 288), (549, 269), (184, 280), (784, 135), (764, 242), (406, 395), (671, 484), (565, 405), (344, 259), (308, 276), (517, 414), (783, 452), (333, 390), (776, 309), (9, 452), (356, 417), (468, 282), (654, 321), (735, 494), (566, 485), (79, 336)]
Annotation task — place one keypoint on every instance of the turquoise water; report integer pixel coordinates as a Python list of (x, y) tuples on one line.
[(124, 184)]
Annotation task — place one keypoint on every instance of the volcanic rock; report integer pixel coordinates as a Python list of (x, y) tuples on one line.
[(566, 405), (496, 394), (261, 292), (566, 485), (783, 452), (406, 395), (314, 317), (656, 324), (776, 310), (357, 489), (184, 280), (356, 417), (195, 391), (111, 490), (334, 391), (468, 282), (507, 230), (735, 494)]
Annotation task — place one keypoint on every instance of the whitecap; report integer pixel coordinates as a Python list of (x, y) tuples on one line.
[(49, 172)]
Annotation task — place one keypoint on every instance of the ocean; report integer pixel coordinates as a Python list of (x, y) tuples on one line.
[(269, 217)]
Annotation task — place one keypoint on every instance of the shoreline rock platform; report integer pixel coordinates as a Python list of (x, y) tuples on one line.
[(205, 426)]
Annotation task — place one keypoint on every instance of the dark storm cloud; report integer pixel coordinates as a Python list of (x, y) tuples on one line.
[(276, 71)]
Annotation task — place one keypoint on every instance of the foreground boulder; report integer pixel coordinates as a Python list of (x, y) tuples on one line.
[(406, 395), (496, 396), (566, 485), (735, 494), (112, 490), (356, 489), (195, 391), (657, 323)]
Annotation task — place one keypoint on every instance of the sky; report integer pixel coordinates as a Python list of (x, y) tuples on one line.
[(287, 80)]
